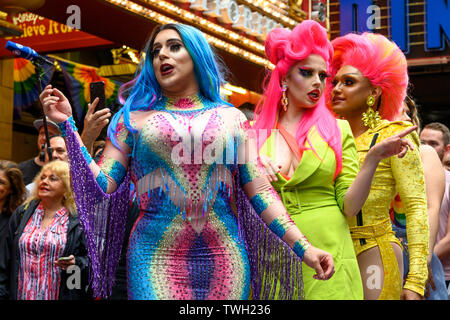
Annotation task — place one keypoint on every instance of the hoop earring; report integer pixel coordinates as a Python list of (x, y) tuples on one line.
[(371, 118), (284, 99)]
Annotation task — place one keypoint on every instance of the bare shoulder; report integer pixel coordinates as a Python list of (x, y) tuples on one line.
[(429, 155), (426, 149)]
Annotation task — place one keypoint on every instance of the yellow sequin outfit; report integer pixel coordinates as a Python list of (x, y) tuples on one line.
[(405, 176)]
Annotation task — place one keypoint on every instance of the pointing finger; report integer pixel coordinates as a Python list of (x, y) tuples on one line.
[(406, 132)]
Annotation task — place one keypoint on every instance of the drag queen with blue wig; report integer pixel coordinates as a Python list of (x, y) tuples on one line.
[(210, 224)]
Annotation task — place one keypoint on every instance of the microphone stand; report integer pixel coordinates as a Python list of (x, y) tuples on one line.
[(39, 74)]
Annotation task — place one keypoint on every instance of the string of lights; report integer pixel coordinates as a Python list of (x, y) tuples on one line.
[(266, 7), (204, 23), (192, 19), (161, 19)]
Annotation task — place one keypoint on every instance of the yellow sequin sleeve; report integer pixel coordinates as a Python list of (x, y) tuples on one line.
[(410, 184)]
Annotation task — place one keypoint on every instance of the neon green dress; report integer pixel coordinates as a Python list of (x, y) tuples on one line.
[(314, 202)]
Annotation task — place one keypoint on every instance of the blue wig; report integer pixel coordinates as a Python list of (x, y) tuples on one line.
[(144, 90)]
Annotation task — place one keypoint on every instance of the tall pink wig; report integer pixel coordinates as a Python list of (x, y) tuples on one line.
[(285, 48), (380, 61)]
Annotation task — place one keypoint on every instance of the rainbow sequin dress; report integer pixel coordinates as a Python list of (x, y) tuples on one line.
[(199, 235)]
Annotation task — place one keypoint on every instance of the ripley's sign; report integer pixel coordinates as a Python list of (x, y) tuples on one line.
[(363, 15)]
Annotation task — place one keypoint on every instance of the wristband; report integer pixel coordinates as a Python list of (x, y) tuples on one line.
[(300, 246)]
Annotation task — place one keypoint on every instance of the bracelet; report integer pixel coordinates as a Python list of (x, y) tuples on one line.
[(62, 126), (300, 246)]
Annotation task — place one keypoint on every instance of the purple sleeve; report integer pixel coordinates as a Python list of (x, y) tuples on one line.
[(102, 217)]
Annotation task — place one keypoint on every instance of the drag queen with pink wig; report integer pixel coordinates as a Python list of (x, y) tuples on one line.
[(369, 79), (311, 157)]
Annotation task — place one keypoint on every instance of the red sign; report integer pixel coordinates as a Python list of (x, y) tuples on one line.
[(45, 35)]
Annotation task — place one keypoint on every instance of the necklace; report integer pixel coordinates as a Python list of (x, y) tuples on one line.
[(188, 108)]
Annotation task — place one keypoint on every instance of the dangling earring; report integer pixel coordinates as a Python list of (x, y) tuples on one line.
[(284, 99), (370, 117)]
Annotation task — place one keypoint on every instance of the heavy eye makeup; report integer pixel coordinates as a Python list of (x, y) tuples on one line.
[(346, 80), (323, 76), (174, 45), (305, 72)]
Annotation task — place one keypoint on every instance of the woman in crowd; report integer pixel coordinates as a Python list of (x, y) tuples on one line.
[(369, 81), (12, 194), (312, 156), (180, 143), (44, 239), (435, 187)]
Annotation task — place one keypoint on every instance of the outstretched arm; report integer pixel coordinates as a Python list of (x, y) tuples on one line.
[(359, 190), (111, 169)]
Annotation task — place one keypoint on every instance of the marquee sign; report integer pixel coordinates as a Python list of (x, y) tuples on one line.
[(236, 26)]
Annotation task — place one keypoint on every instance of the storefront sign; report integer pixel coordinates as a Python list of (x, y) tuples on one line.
[(437, 24), (361, 15), (44, 35)]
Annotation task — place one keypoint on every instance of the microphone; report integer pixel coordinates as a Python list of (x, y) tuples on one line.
[(26, 53), (42, 153)]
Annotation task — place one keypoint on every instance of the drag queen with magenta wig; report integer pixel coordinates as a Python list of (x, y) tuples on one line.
[(311, 156), (205, 210)]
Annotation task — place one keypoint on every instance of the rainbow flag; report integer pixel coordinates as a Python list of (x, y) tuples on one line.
[(77, 79), (25, 84)]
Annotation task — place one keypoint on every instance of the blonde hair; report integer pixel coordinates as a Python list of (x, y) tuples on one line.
[(61, 169)]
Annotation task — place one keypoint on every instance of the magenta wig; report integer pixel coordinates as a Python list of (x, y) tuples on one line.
[(285, 48), (380, 61)]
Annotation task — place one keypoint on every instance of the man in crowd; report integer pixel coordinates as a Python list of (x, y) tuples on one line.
[(31, 167), (437, 136), (59, 152)]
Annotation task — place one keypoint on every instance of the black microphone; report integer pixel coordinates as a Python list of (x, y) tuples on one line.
[(42, 153), (26, 53)]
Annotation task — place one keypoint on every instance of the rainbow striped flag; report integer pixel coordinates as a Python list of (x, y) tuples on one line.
[(25, 84), (77, 80)]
